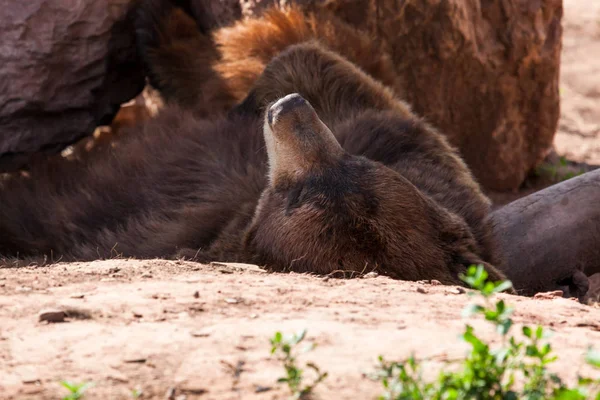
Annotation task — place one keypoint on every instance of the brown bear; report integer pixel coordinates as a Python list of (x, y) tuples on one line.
[(337, 174), (210, 71)]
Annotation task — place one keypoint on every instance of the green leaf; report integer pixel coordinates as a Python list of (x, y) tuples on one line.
[(539, 332), (472, 309), (69, 386), (478, 345), (299, 336), (504, 285), (504, 327), (488, 288), (593, 358), (569, 394)]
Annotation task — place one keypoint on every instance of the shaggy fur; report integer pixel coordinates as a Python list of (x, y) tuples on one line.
[(352, 181), (213, 71)]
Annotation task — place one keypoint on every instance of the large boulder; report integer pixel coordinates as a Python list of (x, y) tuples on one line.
[(550, 239), (485, 72), (65, 67)]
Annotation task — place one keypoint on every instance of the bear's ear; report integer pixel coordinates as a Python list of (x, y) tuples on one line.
[(295, 197)]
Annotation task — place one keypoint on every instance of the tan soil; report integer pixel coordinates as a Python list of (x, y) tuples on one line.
[(139, 325), (146, 329)]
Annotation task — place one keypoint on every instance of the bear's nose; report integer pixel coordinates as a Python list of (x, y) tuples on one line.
[(285, 105)]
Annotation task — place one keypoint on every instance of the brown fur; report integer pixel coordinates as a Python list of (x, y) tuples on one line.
[(194, 69), (356, 183)]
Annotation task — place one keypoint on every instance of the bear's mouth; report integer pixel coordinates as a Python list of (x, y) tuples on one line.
[(292, 104)]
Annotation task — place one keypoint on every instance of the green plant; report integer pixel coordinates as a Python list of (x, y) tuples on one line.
[(402, 381), (76, 390), (284, 346), (557, 172), (490, 373)]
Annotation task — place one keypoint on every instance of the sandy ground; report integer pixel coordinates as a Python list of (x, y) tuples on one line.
[(578, 137), (177, 330), (157, 325)]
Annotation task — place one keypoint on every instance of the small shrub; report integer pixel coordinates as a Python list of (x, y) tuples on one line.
[(490, 373), (284, 346), (76, 390)]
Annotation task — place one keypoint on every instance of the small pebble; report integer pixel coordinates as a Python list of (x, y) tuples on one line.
[(170, 394), (201, 333), (193, 387), (30, 390), (132, 360), (549, 295), (421, 290), (261, 389), (117, 378), (52, 316), (77, 296), (146, 275), (196, 294)]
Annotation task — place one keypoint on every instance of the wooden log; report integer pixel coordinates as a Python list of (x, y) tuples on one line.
[(551, 239)]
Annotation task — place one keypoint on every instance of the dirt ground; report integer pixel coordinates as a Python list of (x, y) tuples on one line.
[(157, 325), (179, 330), (578, 137)]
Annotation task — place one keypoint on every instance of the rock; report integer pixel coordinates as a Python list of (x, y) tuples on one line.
[(65, 68), (549, 239), (370, 275), (485, 73), (549, 295), (200, 333), (457, 290), (193, 387), (135, 360), (52, 316)]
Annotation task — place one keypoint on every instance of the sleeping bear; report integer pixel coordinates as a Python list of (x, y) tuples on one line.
[(320, 168)]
